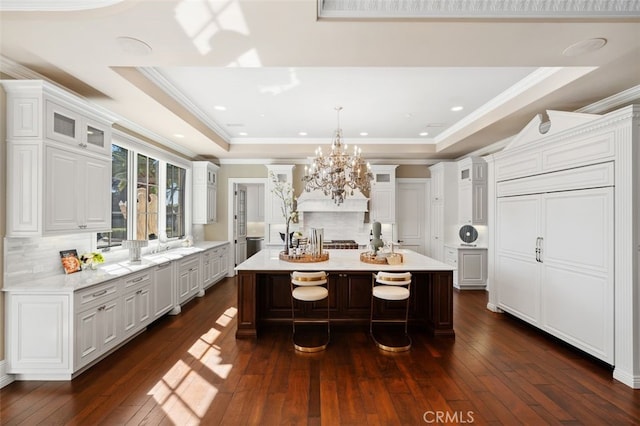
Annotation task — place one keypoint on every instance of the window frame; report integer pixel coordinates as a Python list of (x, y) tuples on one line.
[(136, 146)]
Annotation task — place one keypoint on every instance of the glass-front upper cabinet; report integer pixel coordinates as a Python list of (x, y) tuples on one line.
[(66, 126)]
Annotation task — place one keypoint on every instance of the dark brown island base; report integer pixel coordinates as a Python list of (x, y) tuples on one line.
[(264, 294)]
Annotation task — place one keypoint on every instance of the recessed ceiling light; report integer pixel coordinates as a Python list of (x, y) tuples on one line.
[(243, 134), (364, 134), (424, 133), (457, 108), (133, 46), (584, 46), (302, 133), (220, 108), (178, 135)]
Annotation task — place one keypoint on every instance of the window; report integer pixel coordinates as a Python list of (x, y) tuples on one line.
[(148, 195), (146, 198), (119, 198), (176, 187)]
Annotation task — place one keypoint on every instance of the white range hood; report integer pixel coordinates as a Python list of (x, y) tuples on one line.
[(316, 201)]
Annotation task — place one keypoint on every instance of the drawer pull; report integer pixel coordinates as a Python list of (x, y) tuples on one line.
[(137, 280), (99, 293), (164, 265), (102, 308)]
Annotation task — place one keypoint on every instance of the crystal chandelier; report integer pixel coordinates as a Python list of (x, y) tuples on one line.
[(339, 172)]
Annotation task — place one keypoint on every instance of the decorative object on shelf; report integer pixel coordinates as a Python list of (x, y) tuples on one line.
[(70, 261), (339, 172), (284, 191), (376, 241), (91, 260)]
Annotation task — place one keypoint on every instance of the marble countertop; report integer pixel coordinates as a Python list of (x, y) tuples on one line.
[(107, 271), (340, 260), (460, 246)]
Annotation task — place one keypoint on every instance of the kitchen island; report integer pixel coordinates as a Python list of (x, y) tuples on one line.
[(264, 295)]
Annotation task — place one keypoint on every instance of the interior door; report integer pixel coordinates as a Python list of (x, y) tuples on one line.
[(240, 223), (411, 215)]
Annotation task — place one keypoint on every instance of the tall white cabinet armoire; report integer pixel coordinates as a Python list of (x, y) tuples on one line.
[(565, 233)]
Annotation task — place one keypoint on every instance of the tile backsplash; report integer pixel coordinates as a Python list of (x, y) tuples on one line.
[(29, 258)]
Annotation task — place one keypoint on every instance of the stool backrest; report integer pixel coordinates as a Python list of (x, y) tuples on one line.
[(308, 278), (393, 278)]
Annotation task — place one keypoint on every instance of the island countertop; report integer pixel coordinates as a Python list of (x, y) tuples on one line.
[(340, 260)]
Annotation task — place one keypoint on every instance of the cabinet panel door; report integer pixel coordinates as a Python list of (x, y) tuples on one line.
[(518, 272), (383, 204), (163, 291), (63, 190), (473, 269), (87, 332), (97, 205), (62, 124), (23, 189), (577, 254), (109, 320), (437, 231), (183, 285), (212, 214), (479, 204), (465, 208), (129, 312), (144, 305)]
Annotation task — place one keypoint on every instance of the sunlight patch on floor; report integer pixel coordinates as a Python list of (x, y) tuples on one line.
[(184, 392)]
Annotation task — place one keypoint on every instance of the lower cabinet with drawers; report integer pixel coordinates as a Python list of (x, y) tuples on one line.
[(55, 333)]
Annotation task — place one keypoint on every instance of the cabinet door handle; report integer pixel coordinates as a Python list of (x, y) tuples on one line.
[(102, 308), (99, 293), (540, 250)]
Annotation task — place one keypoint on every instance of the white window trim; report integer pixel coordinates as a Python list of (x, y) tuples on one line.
[(136, 146)]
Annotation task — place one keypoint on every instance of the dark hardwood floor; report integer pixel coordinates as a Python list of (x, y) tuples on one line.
[(190, 369)]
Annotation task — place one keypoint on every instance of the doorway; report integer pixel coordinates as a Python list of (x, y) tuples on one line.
[(254, 198)]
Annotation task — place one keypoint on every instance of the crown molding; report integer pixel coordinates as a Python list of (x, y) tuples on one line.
[(480, 9), (54, 5), (20, 72), (165, 85), (607, 104)]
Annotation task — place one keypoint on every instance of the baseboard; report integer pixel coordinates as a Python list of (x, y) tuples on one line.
[(5, 378), (494, 308), (627, 379)]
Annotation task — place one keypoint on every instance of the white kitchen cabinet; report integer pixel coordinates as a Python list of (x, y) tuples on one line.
[(74, 192), (39, 330), (215, 263), (382, 198), (443, 207), (283, 174), (205, 190), (210, 267), (188, 282), (70, 127), (55, 185), (136, 302), (97, 328), (471, 264), (163, 289), (554, 265), (255, 202), (472, 191), (224, 262)]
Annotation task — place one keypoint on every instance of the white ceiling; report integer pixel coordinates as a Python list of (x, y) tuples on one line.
[(279, 70)]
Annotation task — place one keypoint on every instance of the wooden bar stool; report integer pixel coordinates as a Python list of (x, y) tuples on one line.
[(390, 286), (309, 287)]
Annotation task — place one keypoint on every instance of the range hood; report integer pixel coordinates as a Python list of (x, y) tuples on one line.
[(316, 201)]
